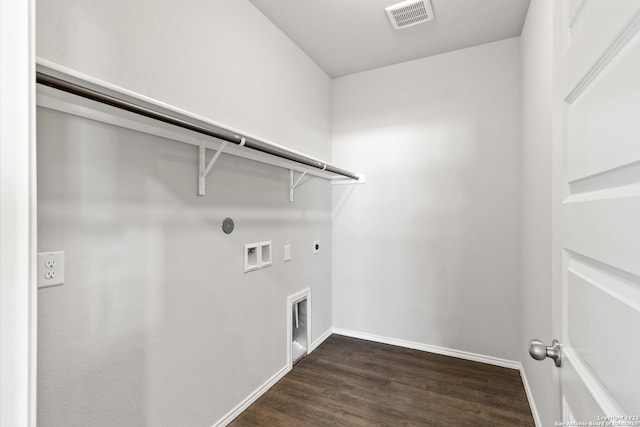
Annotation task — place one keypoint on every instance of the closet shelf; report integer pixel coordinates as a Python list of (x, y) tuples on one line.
[(71, 82)]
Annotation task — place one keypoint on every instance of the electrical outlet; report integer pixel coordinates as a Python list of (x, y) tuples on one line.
[(50, 269), (316, 246)]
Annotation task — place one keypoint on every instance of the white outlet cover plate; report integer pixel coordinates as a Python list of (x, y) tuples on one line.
[(50, 264), (287, 253)]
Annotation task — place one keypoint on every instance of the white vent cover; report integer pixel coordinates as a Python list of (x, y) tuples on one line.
[(408, 13)]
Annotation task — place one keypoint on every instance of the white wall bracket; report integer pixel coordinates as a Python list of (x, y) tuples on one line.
[(293, 185), (204, 170)]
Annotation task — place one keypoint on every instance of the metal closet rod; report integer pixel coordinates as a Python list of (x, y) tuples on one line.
[(252, 143)]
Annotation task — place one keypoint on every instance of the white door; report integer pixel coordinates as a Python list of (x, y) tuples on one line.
[(597, 228)]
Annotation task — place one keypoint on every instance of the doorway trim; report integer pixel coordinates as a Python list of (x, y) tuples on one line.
[(18, 295)]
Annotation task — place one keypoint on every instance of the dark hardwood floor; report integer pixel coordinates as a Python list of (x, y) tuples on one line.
[(351, 382)]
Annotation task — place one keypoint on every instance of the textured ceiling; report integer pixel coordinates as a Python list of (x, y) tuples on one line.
[(348, 36)]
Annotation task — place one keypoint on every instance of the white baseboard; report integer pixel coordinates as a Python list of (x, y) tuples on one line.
[(532, 403), (511, 364), (320, 340), (231, 415)]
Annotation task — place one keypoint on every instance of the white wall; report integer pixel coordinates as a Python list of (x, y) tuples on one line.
[(537, 51), (428, 249), (157, 324), (221, 59)]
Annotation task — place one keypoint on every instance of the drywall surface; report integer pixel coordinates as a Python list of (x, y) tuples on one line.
[(220, 59), (157, 325), (428, 249), (537, 52)]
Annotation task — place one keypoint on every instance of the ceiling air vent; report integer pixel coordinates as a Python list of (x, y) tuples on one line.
[(408, 13)]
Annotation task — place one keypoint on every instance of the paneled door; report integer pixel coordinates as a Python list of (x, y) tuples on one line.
[(597, 210)]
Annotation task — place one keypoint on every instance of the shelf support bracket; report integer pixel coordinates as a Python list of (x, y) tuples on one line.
[(203, 170), (293, 185)]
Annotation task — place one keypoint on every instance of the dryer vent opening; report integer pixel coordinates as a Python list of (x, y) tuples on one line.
[(299, 326), (299, 343)]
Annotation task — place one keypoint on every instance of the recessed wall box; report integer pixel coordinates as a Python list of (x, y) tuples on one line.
[(251, 257), (257, 256), (265, 254)]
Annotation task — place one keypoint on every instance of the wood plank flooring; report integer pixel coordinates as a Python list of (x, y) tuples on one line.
[(351, 382)]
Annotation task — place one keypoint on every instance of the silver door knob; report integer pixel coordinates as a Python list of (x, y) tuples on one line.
[(539, 351)]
